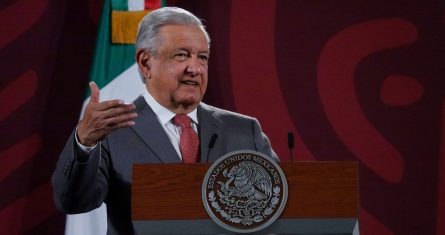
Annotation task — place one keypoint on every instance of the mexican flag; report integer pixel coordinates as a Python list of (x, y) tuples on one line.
[(115, 72)]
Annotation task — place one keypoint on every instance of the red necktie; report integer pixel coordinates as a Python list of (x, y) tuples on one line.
[(188, 141)]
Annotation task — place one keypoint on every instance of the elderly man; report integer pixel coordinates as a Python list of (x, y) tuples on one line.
[(167, 124)]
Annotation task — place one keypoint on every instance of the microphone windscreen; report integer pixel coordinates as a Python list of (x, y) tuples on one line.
[(290, 139), (213, 140)]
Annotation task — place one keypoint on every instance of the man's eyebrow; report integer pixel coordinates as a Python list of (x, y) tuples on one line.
[(181, 49), (204, 52), (189, 50)]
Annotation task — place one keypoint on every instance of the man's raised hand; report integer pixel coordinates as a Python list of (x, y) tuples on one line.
[(101, 118)]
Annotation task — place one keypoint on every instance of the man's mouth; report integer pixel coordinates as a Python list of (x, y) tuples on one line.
[(189, 82)]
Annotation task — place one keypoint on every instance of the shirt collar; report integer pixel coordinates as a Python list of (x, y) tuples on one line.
[(165, 115)]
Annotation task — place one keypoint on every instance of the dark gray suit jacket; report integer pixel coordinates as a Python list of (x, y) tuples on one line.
[(81, 183)]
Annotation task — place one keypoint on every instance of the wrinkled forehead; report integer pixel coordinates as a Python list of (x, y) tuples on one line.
[(183, 36)]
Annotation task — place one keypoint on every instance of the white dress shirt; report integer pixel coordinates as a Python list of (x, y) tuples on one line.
[(165, 118)]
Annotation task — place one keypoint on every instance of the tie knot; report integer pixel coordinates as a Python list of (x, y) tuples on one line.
[(182, 120)]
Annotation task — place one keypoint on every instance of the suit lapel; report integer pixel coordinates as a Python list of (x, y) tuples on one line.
[(209, 125), (152, 134)]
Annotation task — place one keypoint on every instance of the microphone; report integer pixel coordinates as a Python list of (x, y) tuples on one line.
[(290, 144), (211, 144)]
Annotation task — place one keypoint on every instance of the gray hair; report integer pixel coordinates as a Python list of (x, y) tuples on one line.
[(148, 30)]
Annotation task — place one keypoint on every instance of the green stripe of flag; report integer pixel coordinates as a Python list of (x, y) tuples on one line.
[(109, 59)]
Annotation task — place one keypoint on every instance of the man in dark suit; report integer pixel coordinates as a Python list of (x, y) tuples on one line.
[(95, 165)]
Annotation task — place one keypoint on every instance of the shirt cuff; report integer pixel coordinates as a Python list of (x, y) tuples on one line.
[(82, 147)]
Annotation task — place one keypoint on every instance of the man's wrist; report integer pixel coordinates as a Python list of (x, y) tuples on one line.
[(85, 149)]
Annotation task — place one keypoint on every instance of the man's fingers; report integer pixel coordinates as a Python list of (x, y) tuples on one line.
[(117, 120), (107, 126), (116, 125), (95, 93), (110, 104), (118, 110)]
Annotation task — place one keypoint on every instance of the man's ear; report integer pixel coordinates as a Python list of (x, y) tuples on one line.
[(143, 60)]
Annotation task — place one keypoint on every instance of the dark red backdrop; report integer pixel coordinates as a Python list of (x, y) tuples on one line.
[(352, 80)]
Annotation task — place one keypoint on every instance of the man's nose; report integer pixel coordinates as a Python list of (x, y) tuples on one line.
[(194, 67)]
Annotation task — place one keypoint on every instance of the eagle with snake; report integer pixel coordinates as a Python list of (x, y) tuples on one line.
[(247, 180)]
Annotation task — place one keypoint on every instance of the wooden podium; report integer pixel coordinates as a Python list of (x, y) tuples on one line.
[(322, 199)]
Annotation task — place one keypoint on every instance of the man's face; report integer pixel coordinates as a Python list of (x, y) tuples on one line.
[(178, 71)]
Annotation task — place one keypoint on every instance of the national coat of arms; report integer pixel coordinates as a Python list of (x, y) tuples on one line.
[(244, 191)]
